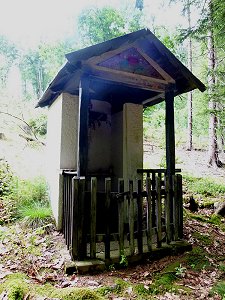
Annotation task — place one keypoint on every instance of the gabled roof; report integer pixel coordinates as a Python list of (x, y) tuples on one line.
[(136, 66)]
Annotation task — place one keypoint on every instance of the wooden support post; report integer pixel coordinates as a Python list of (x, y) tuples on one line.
[(131, 217), (93, 217), (121, 216), (149, 213), (170, 135), (140, 216), (170, 141), (83, 126), (107, 209)]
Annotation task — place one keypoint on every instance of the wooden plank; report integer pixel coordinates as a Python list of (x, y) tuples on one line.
[(180, 206), (149, 213), (158, 212), (167, 209), (107, 212), (121, 216), (83, 126), (131, 217), (74, 221), (140, 217), (82, 246), (175, 208), (93, 217), (142, 171)]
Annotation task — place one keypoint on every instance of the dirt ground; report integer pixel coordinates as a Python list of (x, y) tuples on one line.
[(47, 264)]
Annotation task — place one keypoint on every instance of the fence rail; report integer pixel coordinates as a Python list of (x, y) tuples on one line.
[(97, 223)]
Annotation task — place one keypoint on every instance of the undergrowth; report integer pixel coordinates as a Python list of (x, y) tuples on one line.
[(23, 199), (203, 186)]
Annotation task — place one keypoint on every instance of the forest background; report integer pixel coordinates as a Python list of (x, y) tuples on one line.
[(196, 37)]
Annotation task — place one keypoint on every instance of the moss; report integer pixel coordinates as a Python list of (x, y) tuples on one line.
[(197, 259), (16, 286), (203, 238)]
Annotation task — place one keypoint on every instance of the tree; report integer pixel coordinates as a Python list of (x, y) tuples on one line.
[(8, 56), (98, 25), (39, 66)]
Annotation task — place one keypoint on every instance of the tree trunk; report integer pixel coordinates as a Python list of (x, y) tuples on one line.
[(213, 159), (190, 94)]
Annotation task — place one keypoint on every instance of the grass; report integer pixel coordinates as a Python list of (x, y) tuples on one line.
[(203, 186)]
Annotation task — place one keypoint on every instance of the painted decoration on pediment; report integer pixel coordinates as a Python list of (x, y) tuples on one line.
[(131, 61)]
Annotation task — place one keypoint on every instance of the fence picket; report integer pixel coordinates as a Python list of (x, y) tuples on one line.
[(131, 217), (140, 216), (149, 213), (158, 212), (175, 208), (107, 208), (121, 216), (74, 227), (167, 209), (180, 206), (93, 217)]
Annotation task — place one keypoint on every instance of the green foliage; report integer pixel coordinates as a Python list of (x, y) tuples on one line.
[(6, 177), (197, 258), (8, 57), (123, 260), (39, 125), (219, 288), (202, 238), (203, 186), (98, 25)]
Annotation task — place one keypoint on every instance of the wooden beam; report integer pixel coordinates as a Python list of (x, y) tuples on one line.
[(159, 96), (129, 79), (154, 64), (109, 54), (83, 126), (170, 135)]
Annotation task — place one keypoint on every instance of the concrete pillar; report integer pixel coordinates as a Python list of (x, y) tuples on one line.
[(61, 147), (132, 141)]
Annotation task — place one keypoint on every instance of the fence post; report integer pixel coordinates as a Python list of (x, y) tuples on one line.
[(74, 220), (107, 208), (93, 217), (167, 209), (149, 213), (82, 247), (180, 205), (140, 215), (121, 216), (158, 212), (175, 207), (131, 217)]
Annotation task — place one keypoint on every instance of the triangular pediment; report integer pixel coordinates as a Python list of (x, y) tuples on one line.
[(131, 61)]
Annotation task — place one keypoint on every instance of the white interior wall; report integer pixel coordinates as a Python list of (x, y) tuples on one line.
[(99, 135)]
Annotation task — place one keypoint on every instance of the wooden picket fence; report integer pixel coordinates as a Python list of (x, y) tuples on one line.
[(133, 221)]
